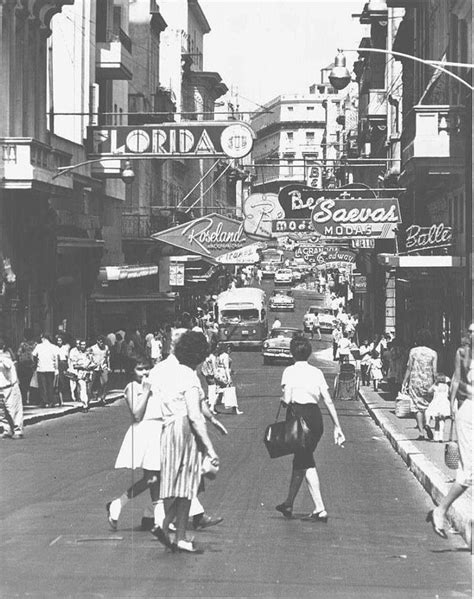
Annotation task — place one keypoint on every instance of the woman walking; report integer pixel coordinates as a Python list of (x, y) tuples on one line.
[(303, 386), (223, 376), (208, 370), (184, 439), (142, 442), (462, 391), (419, 377)]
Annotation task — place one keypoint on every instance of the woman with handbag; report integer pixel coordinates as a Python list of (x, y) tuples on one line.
[(303, 386), (223, 376), (461, 393), (142, 442)]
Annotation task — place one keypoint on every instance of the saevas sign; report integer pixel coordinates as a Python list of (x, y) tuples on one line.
[(355, 218), (179, 140), (209, 236)]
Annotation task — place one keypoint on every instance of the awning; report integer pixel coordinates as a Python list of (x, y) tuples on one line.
[(79, 242), (395, 261), (127, 271), (137, 298)]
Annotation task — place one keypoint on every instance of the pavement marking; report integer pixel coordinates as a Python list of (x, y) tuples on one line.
[(93, 539), (54, 541)]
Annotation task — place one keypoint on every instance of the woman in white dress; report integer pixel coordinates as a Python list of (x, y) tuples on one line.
[(185, 440), (141, 445)]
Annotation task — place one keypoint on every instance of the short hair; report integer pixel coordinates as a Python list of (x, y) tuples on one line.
[(191, 349), (100, 338), (300, 348), (132, 363), (424, 337), (28, 334)]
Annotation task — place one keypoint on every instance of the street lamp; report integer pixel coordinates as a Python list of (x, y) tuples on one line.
[(128, 174), (340, 76)]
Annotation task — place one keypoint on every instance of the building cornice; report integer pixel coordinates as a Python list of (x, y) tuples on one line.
[(195, 7), (42, 10)]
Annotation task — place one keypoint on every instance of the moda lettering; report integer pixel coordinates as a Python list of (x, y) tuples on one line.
[(436, 236), (356, 218)]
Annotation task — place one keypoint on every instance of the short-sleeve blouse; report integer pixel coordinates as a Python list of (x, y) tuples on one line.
[(305, 382)]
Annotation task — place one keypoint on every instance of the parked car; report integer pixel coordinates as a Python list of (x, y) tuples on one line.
[(284, 276), (282, 299), (277, 345), (326, 317)]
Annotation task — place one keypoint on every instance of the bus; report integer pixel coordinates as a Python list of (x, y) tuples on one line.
[(241, 316), (272, 260)]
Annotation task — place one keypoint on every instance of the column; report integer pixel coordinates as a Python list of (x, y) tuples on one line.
[(390, 297)]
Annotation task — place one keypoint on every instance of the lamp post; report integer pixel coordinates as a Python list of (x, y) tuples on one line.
[(127, 173), (340, 76)]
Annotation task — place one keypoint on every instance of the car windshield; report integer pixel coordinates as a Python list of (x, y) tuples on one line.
[(282, 292), (235, 316), (284, 272), (283, 333)]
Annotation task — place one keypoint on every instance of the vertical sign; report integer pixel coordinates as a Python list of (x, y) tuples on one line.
[(176, 274)]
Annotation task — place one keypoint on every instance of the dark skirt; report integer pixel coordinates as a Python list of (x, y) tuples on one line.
[(303, 459)]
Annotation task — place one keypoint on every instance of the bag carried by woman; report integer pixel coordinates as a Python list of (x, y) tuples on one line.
[(284, 438)]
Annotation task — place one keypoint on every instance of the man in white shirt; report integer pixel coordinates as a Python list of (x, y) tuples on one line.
[(46, 356), (100, 358), (11, 407)]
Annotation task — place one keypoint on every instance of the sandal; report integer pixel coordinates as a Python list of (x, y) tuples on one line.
[(188, 547)]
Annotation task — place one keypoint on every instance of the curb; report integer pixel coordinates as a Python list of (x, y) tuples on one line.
[(53, 414), (428, 474)]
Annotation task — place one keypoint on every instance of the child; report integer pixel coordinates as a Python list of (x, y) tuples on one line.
[(439, 408), (141, 444), (375, 369)]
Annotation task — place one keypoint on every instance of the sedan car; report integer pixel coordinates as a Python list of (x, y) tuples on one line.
[(277, 345), (282, 300), (325, 316), (284, 276)]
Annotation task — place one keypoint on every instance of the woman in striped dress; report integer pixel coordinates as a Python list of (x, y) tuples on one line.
[(184, 440)]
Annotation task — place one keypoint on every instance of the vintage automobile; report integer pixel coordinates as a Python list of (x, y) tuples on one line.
[(283, 276), (325, 315), (282, 299), (277, 345)]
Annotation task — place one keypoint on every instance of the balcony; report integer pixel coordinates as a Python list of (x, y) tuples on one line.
[(140, 227), (26, 164), (434, 133), (114, 56)]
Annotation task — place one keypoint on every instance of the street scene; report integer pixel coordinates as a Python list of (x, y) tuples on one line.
[(236, 327)]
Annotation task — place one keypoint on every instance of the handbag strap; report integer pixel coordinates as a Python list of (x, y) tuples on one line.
[(451, 430)]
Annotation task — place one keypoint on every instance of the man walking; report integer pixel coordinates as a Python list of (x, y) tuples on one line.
[(100, 359), (11, 406), (46, 357)]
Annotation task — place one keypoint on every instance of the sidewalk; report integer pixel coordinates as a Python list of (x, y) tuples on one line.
[(33, 414), (425, 459)]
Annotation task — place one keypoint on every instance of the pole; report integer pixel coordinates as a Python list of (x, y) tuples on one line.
[(436, 64)]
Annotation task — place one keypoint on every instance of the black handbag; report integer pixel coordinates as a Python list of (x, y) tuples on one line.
[(289, 436)]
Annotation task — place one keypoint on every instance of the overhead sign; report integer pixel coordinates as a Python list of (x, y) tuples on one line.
[(363, 243), (323, 254), (292, 225), (210, 236), (177, 274), (356, 218), (422, 239), (260, 211), (195, 139), (246, 255), (298, 201)]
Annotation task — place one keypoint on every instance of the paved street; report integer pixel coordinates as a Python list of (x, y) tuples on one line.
[(56, 541)]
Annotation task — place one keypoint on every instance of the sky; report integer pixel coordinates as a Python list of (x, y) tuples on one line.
[(265, 48)]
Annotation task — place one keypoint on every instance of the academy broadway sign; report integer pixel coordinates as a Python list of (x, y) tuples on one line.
[(213, 139)]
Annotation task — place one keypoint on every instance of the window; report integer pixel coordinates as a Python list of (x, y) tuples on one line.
[(290, 163), (290, 108), (309, 137), (309, 107), (290, 136)]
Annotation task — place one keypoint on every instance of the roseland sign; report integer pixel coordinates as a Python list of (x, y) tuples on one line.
[(172, 140), (210, 236)]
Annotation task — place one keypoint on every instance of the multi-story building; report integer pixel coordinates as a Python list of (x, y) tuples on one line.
[(297, 139), (416, 118)]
